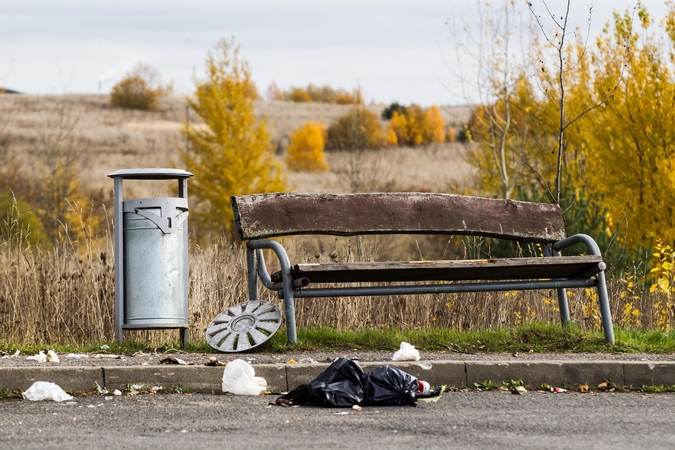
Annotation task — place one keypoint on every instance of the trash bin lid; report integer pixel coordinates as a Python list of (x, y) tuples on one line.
[(151, 174)]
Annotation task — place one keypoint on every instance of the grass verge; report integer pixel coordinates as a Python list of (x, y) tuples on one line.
[(536, 337)]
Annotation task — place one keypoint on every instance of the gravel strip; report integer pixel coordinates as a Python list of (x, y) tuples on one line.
[(309, 357)]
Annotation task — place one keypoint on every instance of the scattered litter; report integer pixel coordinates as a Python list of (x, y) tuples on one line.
[(52, 356), (100, 355), (307, 361), (138, 353), (515, 354), (144, 364), (583, 388), (136, 387), (76, 356), (291, 361), (40, 357), (213, 361), (343, 413), (239, 379), (407, 352), (172, 360), (117, 392), (519, 390), (100, 389), (345, 384), (105, 347), (45, 390), (357, 408), (6, 355), (109, 397), (559, 390)]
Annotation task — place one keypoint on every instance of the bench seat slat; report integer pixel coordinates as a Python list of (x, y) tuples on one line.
[(261, 216), (488, 269)]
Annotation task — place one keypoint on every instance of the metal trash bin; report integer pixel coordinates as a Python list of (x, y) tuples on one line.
[(151, 256)]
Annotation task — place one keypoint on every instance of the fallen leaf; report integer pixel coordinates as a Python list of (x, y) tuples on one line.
[(583, 388), (291, 361)]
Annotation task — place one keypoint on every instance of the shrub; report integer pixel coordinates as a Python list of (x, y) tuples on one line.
[(305, 152), (140, 89), (18, 222), (345, 98), (298, 95), (358, 129), (391, 109), (323, 94), (419, 127), (399, 126), (415, 126)]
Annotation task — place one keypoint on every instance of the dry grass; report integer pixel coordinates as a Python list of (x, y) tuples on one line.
[(67, 296), (109, 139)]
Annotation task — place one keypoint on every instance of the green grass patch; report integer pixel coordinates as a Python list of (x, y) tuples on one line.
[(536, 337)]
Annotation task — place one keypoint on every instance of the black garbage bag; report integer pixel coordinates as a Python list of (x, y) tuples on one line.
[(344, 384), (390, 386)]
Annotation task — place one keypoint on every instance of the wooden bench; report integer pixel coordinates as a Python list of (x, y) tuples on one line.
[(260, 217)]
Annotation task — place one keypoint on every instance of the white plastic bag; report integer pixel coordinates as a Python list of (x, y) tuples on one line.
[(52, 356), (407, 352), (40, 357), (45, 390), (239, 379)]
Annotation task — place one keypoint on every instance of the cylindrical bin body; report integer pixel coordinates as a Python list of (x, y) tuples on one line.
[(155, 263)]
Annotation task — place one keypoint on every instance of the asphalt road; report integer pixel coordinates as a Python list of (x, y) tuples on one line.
[(458, 420)]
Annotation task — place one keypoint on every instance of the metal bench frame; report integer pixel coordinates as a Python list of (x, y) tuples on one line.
[(289, 288)]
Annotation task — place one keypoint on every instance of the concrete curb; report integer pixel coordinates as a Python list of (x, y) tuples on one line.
[(283, 377)]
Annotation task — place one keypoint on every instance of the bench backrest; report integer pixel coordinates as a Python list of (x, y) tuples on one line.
[(261, 216)]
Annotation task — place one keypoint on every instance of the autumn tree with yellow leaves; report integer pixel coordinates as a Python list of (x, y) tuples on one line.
[(233, 155), (305, 152)]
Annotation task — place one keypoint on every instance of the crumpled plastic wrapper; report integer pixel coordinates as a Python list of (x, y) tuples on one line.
[(406, 352), (45, 390)]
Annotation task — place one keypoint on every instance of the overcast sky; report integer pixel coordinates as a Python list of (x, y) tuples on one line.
[(393, 49)]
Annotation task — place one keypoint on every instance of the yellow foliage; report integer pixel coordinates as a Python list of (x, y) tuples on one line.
[(305, 152), (629, 143), (414, 125), (233, 156), (449, 134), (391, 139), (436, 123), (399, 125), (346, 98), (299, 95)]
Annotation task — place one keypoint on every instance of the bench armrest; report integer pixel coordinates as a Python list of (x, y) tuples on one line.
[(585, 239)]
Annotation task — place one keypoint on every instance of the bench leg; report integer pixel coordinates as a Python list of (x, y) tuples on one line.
[(603, 301), (287, 283), (601, 283), (252, 274), (563, 306)]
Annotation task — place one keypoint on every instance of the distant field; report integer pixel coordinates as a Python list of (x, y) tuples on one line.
[(108, 139)]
